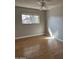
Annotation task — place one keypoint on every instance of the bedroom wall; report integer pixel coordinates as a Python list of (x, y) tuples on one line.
[(28, 29), (55, 21)]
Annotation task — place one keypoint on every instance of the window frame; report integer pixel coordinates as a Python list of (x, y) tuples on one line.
[(31, 18)]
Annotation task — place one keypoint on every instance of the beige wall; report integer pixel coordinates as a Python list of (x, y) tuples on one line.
[(30, 29), (55, 21)]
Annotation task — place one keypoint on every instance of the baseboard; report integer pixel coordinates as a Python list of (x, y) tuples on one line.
[(29, 36)]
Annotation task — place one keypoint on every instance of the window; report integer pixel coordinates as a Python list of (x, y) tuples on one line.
[(30, 19)]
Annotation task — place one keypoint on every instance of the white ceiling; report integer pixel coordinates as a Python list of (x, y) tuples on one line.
[(36, 5)]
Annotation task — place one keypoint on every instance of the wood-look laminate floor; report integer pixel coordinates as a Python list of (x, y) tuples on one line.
[(40, 47)]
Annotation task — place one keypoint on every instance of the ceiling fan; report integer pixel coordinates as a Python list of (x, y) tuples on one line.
[(43, 4)]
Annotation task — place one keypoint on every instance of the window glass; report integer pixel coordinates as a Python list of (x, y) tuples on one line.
[(30, 19)]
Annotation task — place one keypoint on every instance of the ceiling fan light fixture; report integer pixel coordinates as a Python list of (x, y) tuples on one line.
[(43, 5)]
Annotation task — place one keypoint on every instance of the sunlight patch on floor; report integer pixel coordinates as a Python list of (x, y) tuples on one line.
[(49, 37)]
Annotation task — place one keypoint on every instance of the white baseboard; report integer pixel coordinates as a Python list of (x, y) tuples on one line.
[(28, 36)]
